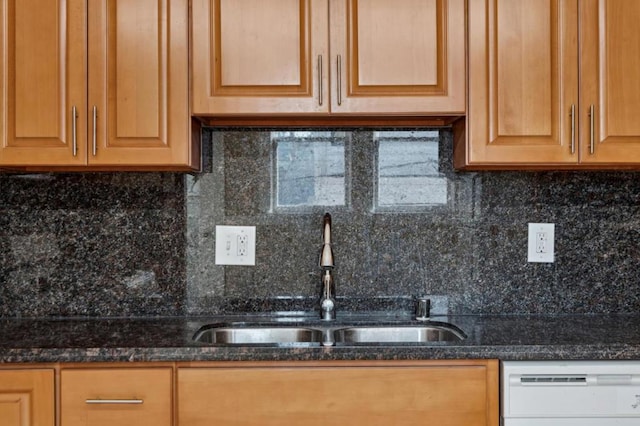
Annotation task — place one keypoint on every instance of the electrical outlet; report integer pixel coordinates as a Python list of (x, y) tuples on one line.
[(541, 242), (236, 245), (243, 243)]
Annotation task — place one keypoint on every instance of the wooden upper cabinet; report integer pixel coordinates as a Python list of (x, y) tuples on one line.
[(95, 84), (27, 397), (328, 56), (138, 105), (610, 60), (537, 100), (523, 82), (43, 81), (257, 56), (398, 57)]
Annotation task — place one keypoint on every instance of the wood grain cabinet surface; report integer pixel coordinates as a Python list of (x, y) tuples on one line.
[(453, 393), (27, 397), (116, 396), (100, 84), (328, 56), (553, 83)]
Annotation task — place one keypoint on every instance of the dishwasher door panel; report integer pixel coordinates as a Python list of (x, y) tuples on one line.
[(573, 401), (568, 393), (572, 422)]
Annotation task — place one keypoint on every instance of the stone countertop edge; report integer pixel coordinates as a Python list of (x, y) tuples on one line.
[(169, 339)]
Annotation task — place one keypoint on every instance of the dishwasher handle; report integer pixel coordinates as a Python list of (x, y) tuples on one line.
[(575, 380)]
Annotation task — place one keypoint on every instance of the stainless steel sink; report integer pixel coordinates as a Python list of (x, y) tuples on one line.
[(399, 334), (327, 334), (258, 335)]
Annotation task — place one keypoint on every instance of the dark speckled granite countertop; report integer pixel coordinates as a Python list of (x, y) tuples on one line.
[(170, 339)]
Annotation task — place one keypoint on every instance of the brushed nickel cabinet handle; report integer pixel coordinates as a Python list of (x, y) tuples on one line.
[(114, 401), (320, 100), (573, 129), (339, 65), (592, 123), (95, 130), (74, 131)]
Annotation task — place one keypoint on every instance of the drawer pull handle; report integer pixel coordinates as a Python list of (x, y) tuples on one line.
[(115, 401)]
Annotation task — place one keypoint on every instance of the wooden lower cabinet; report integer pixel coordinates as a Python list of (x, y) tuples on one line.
[(27, 397), (116, 396), (371, 393), (444, 393)]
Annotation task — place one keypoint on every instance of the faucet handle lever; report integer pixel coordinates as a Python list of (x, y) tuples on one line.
[(326, 257)]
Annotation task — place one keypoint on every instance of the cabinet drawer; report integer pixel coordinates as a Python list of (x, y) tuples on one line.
[(122, 396)]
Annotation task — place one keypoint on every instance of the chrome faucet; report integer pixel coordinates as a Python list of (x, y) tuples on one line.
[(327, 300)]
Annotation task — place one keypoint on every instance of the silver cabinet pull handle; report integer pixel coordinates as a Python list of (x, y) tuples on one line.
[(592, 123), (95, 130), (573, 129), (115, 401), (339, 65), (320, 100), (74, 131)]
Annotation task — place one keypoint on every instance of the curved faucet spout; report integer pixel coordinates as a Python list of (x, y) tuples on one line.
[(326, 257), (327, 299), (326, 228)]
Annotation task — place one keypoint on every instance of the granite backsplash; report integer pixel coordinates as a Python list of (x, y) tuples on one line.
[(103, 244), (404, 224)]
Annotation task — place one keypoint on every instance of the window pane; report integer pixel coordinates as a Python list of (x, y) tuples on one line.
[(407, 169), (310, 169)]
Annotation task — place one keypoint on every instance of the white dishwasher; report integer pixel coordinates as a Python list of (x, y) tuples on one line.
[(570, 393)]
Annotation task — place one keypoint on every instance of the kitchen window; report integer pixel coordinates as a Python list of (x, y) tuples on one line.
[(310, 169), (407, 171)]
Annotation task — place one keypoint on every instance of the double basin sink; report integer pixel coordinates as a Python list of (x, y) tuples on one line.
[(328, 334)]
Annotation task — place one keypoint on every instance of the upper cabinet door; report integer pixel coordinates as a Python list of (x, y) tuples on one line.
[(610, 62), (398, 57), (138, 83), (42, 82), (257, 56), (523, 82)]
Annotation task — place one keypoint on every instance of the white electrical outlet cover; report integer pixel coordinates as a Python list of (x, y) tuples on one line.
[(236, 245), (541, 243)]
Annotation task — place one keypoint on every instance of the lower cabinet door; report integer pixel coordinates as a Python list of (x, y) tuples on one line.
[(382, 394), (27, 398), (116, 396)]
